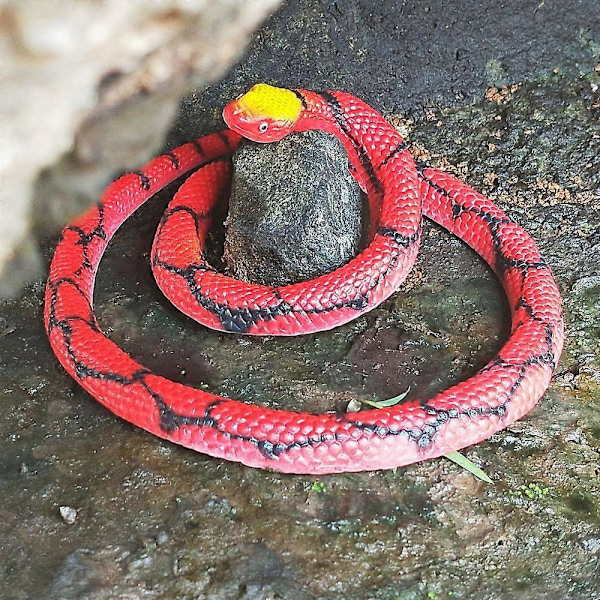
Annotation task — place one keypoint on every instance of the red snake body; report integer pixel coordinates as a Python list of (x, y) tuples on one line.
[(503, 391)]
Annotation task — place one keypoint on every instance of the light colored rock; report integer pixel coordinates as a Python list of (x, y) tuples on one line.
[(99, 83), (68, 514)]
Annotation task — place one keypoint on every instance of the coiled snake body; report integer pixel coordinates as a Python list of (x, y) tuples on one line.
[(399, 192)]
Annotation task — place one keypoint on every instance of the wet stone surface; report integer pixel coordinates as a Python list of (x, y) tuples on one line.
[(153, 520), (295, 211)]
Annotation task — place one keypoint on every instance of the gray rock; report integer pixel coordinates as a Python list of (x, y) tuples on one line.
[(256, 573), (295, 210)]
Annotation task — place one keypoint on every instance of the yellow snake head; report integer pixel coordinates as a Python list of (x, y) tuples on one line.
[(264, 113)]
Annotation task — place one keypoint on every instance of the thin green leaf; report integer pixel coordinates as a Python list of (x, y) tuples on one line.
[(465, 463), (386, 403)]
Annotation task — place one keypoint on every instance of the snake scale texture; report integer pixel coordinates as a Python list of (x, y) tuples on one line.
[(399, 192)]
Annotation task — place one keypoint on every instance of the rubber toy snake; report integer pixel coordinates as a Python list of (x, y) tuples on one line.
[(399, 193)]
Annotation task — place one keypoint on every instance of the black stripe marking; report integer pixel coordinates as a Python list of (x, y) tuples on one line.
[(85, 239), (185, 209), (399, 148), (223, 137), (185, 272), (198, 147), (173, 158), (401, 240), (52, 320), (340, 118), (301, 98), (502, 262), (144, 181)]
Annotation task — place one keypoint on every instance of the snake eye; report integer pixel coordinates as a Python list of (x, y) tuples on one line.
[(263, 127)]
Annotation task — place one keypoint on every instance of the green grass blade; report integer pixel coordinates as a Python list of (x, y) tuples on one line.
[(465, 463), (386, 403)]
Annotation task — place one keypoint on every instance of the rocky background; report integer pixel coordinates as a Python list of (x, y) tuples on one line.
[(504, 94), (90, 89)]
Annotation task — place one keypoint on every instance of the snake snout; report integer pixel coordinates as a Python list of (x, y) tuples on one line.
[(264, 113), (256, 128)]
